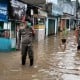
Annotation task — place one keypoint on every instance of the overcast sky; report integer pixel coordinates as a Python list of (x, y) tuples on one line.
[(75, 0), (55, 1)]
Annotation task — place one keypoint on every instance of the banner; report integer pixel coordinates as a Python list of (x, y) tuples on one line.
[(3, 12), (19, 9)]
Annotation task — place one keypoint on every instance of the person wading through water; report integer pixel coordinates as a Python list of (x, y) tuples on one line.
[(26, 33), (64, 34)]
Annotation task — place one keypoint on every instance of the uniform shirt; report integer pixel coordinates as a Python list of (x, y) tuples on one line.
[(26, 35)]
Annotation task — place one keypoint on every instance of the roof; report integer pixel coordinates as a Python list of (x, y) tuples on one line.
[(35, 2)]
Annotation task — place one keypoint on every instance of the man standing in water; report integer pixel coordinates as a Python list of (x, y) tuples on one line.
[(26, 34)]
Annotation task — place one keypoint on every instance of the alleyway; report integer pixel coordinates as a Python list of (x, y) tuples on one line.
[(51, 63)]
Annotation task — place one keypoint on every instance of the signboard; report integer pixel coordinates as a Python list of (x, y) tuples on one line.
[(19, 9), (3, 12)]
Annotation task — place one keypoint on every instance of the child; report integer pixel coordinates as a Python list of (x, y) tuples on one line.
[(63, 39)]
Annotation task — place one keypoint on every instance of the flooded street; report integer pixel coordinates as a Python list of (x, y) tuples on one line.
[(51, 62)]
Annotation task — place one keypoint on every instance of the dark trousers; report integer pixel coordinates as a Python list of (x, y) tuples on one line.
[(78, 47), (63, 41), (27, 50)]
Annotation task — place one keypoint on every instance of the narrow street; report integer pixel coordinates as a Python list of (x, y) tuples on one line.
[(50, 62)]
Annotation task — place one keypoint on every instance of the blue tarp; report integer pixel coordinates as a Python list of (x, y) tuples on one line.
[(5, 45)]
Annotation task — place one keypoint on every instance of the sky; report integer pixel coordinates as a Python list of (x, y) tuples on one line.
[(55, 1), (75, 0)]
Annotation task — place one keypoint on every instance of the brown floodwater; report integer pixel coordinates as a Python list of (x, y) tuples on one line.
[(51, 62)]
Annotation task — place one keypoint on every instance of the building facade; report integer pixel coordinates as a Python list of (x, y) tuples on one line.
[(53, 19), (69, 12)]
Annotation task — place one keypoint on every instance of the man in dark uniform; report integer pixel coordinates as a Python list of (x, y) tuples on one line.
[(25, 36)]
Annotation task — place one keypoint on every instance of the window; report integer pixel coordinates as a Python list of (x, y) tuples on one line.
[(4, 31), (41, 21)]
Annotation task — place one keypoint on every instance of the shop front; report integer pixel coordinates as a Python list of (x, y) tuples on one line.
[(53, 19), (11, 14), (40, 25), (5, 42), (67, 21)]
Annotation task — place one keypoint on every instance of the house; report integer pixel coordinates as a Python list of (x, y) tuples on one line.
[(68, 19)]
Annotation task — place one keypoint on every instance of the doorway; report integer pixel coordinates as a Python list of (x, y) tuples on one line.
[(51, 27)]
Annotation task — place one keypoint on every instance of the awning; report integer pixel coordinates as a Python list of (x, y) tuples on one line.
[(42, 13)]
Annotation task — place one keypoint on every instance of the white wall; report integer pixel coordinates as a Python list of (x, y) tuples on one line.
[(67, 8)]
